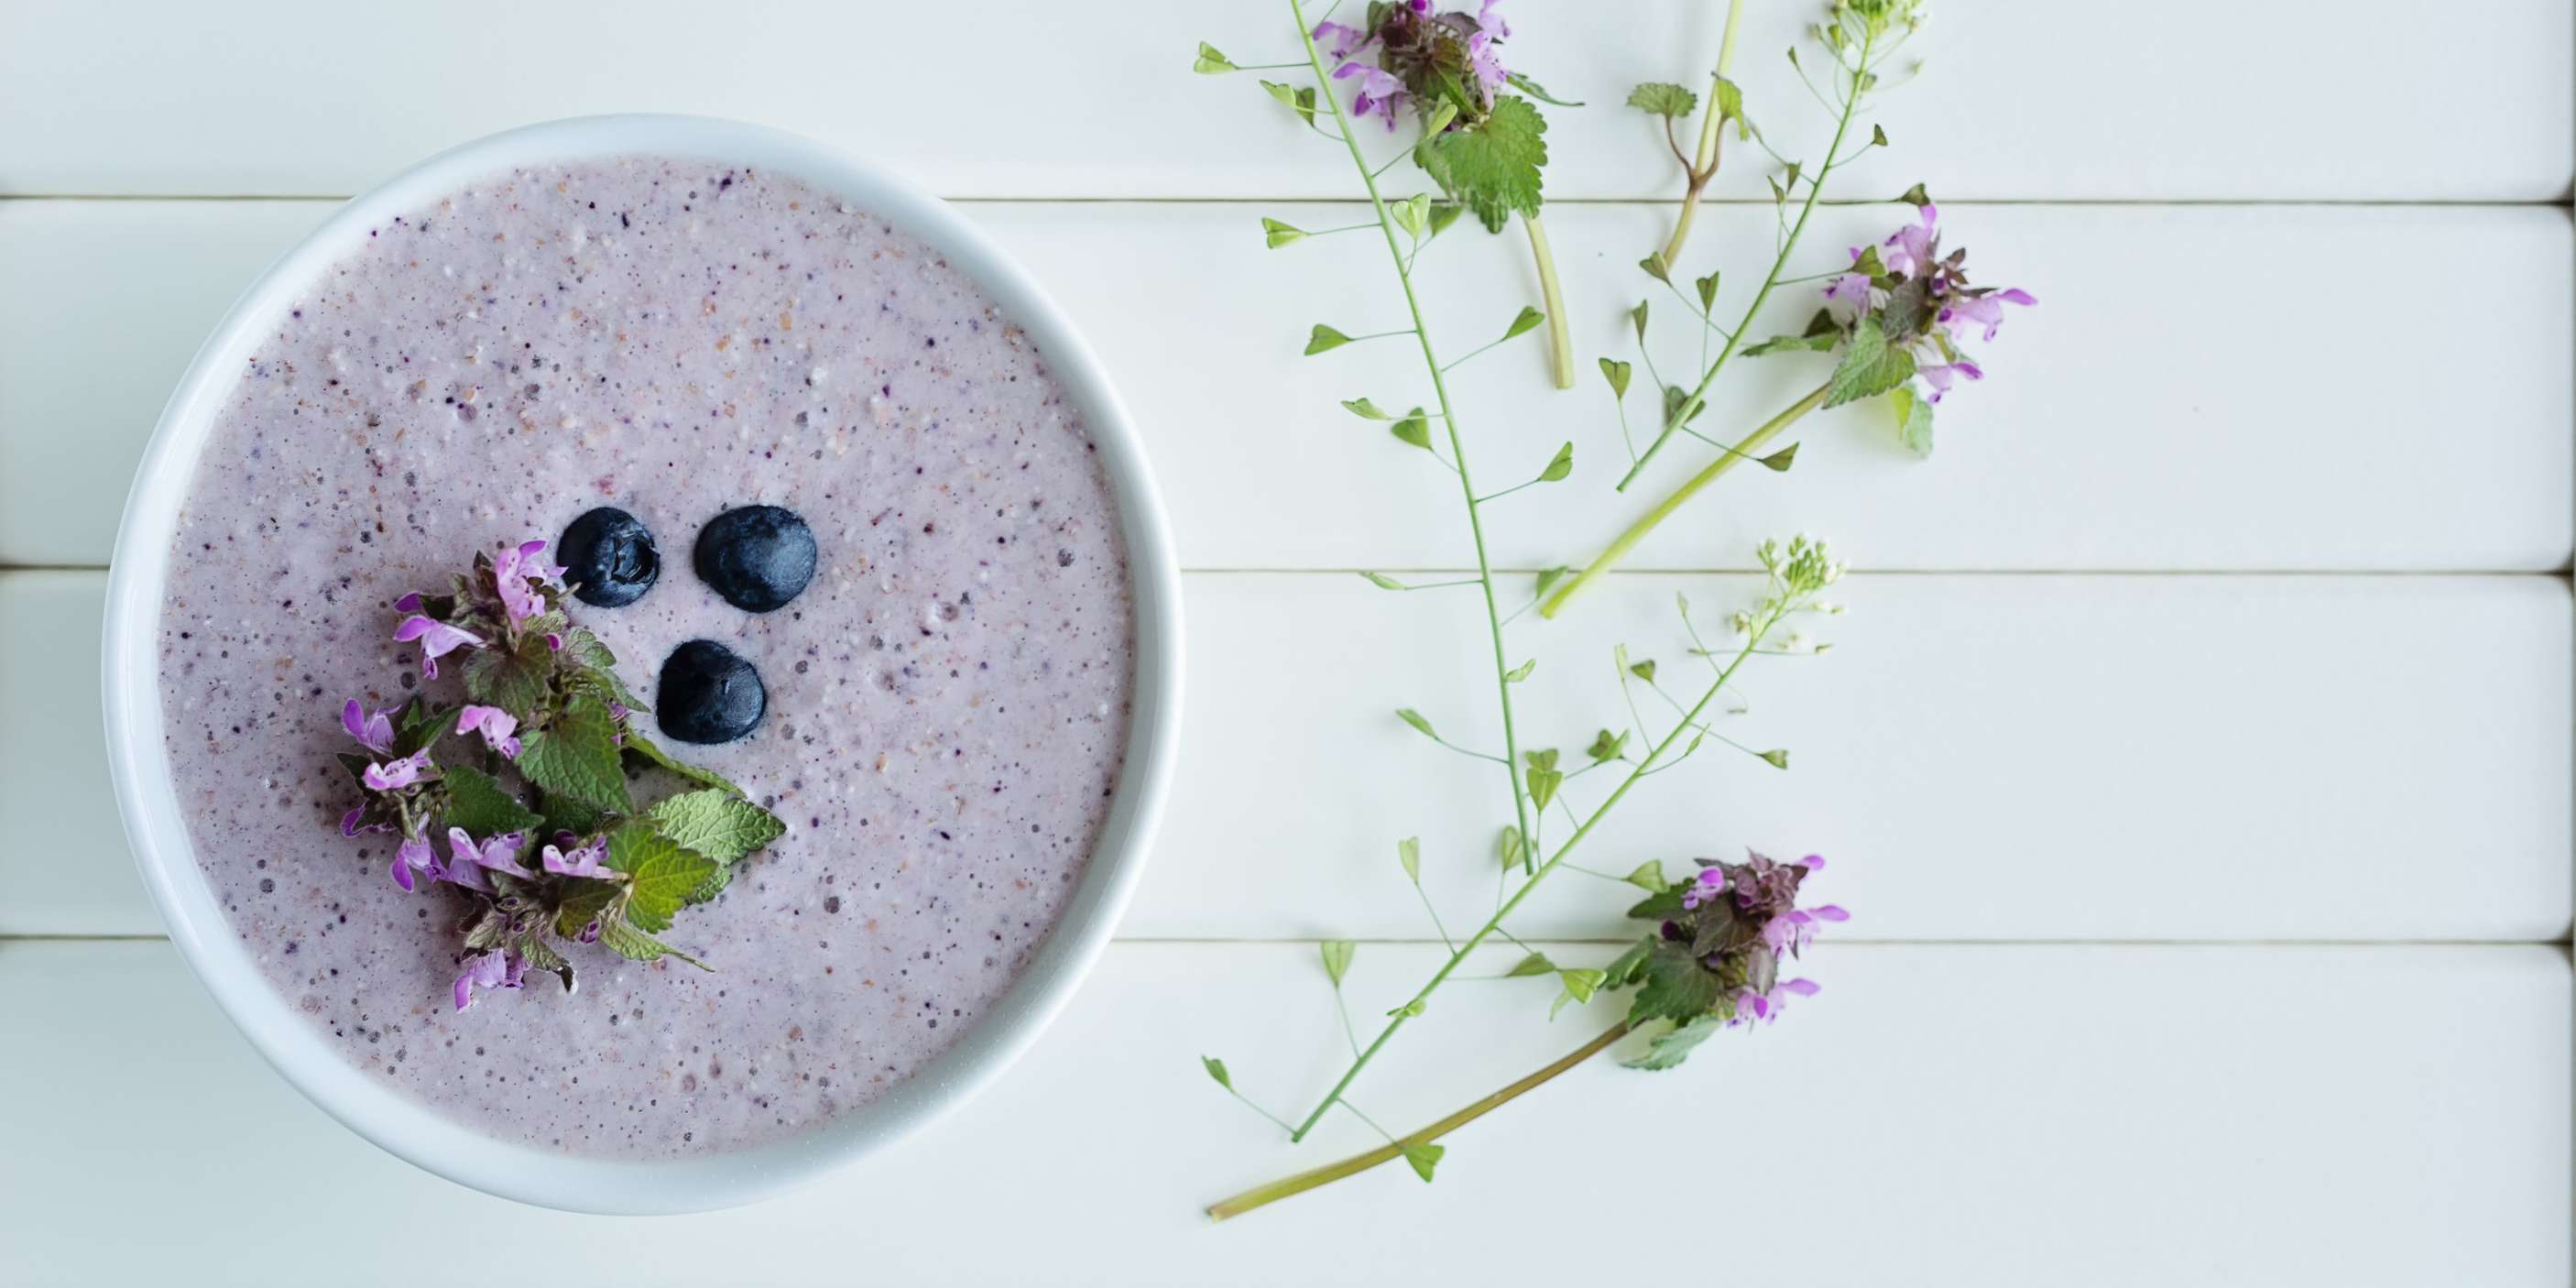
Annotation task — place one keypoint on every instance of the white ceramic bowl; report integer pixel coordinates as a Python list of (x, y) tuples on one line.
[(367, 1104)]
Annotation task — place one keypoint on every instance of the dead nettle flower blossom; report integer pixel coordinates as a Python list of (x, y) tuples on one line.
[(1921, 303), (1739, 920)]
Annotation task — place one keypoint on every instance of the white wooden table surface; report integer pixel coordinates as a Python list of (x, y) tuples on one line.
[(2196, 758)]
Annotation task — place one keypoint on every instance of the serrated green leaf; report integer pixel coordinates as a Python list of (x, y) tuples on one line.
[(1662, 905), (1409, 853), (1779, 462), (1216, 1069), (1616, 373), (477, 802), (576, 756), (636, 946), (426, 730), (1365, 409), (650, 752), (1337, 958), (1494, 168), (711, 887), (716, 823), (581, 903), (512, 681), (1521, 672), (1276, 234), (660, 874), (1670, 1048), (1324, 339), (1649, 875), (1530, 87), (1676, 987), (1559, 465), (1423, 1158), (1623, 970), (1415, 718), (1913, 420), (1524, 322), (1534, 964), (563, 814), (1870, 367), (1210, 62), (1665, 99)]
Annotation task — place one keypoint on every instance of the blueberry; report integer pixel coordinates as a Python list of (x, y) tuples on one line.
[(709, 694), (757, 557), (610, 556)]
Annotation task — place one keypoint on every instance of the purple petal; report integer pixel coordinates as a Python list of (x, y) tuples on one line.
[(1801, 986), (1813, 863), (402, 874), (1831, 912), (408, 604), (349, 821)]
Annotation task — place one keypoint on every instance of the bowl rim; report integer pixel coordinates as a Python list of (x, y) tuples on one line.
[(148, 803)]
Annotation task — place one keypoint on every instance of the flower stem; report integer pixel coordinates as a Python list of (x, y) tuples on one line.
[(1457, 446), (1788, 247), (1264, 1195), (1704, 159), (1637, 531), (1560, 342)]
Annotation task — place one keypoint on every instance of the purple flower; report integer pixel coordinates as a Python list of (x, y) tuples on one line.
[(414, 855), (1710, 883), (501, 969), (496, 725), (1487, 62), (1847, 296), (1765, 1007), (1939, 376), (1339, 40), (1488, 20), (516, 573), (394, 775), (374, 730), (1380, 93), (354, 823), (499, 853), (1910, 248), (437, 639), (583, 861), (1964, 311)]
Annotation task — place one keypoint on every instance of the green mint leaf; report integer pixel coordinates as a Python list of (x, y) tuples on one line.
[(1779, 462), (1559, 465), (512, 681), (1629, 966), (1662, 905), (1410, 1009), (1210, 62), (582, 902), (1415, 428), (1549, 577), (651, 753), (1656, 268), (711, 887), (1532, 88), (576, 756), (660, 874), (1362, 407), (1665, 99), (1384, 582), (1801, 343), (1493, 169), (564, 814), (1337, 958), (1913, 420), (477, 802), (1643, 670), (1670, 1049), (1617, 374), (1869, 368), (1676, 987), (1422, 1158), (1521, 672), (636, 946), (716, 823), (1650, 876), (1409, 853), (1324, 339), (1277, 234), (1421, 725), (1216, 1069), (1607, 746), (1508, 846), (1534, 964)]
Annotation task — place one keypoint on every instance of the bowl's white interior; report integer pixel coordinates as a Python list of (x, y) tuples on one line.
[(151, 810)]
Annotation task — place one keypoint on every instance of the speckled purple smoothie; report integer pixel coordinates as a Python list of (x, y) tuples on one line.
[(948, 700)]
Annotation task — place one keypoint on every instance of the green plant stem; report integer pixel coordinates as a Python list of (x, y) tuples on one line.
[(1264, 1195), (1704, 159), (1564, 851), (1717, 469), (1560, 341), (1448, 418), (1815, 189)]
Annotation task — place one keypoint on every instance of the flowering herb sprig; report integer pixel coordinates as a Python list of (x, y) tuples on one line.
[(1485, 148), (525, 784)]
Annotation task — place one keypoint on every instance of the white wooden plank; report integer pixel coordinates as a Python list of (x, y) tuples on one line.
[(2024, 99), (2140, 418), (2022, 1116), (1986, 758)]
